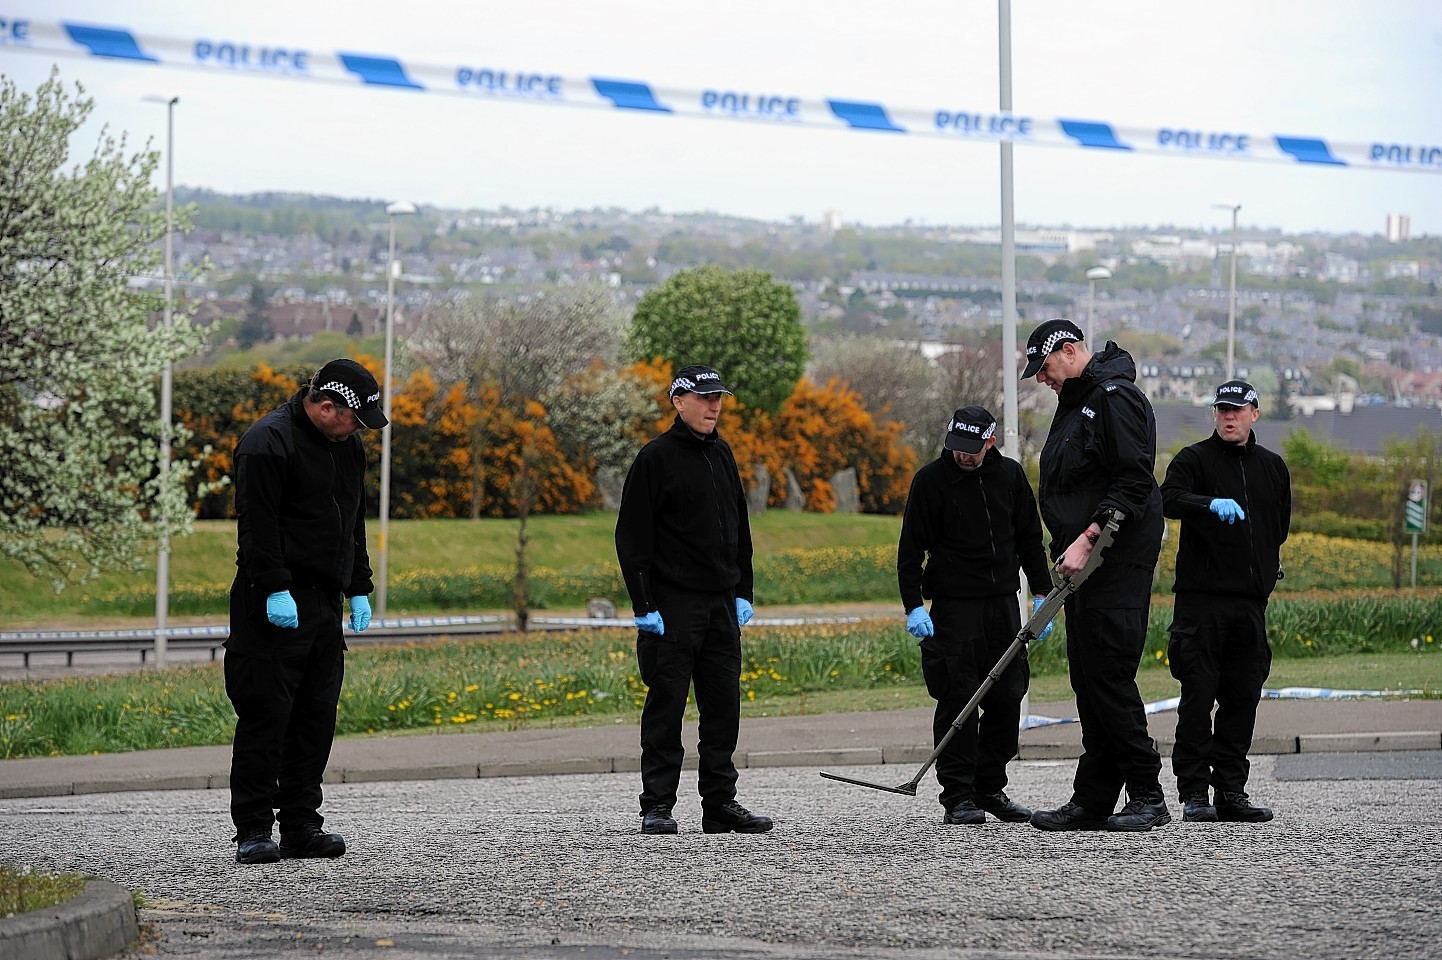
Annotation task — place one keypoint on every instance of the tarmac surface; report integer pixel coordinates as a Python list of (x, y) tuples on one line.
[(527, 844)]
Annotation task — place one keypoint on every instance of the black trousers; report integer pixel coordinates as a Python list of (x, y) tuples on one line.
[(701, 645), (971, 636), (1106, 626), (285, 711), (1219, 652)]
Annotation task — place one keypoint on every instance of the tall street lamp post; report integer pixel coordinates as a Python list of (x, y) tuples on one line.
[(1093, 275), (1232, 292), (162, 557), (400, 208)]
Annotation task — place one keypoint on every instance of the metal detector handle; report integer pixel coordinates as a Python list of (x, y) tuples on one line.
[(1113, 523), (1065, 587), (1050, 607)]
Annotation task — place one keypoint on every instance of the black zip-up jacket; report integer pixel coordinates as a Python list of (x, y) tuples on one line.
[(683, 519), (1100, 454), (1241, 559), (973, 529), (300, 506)]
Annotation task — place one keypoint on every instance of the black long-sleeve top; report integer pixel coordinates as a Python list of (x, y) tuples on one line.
[(300, 506), (966, 533), (1241, 559), (1100, 454), (683, 519)]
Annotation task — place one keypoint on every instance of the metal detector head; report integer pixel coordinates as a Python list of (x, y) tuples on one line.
[(905, 789)]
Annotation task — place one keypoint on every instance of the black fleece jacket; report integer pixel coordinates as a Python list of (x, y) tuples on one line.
[(1100, 454), (1241, 559), (683, 519), (300, 506), (972, 529)]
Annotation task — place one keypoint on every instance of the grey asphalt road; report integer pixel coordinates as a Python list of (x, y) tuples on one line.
[(554, 867)]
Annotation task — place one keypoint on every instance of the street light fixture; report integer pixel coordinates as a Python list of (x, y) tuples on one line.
[(1232, 293), (162, 556), (1093, 275), (400, 208)]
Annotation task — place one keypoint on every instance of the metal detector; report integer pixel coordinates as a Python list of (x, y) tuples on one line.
[(1030, 630)]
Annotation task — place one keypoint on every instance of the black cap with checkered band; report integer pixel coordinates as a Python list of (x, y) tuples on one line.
[(349, 384)]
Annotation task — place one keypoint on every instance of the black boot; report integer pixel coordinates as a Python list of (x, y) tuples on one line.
[(311, 842), (1146, 810), (731, 817), (658, 819), (1002, 807), (964, 812), (1234, 807), (256, 847), (1069, 816), (1197, 809)]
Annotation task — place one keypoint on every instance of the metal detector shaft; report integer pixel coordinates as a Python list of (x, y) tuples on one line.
[(1030, 630)]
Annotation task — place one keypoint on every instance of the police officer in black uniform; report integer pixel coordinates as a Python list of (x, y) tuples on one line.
[(970, 523), (1234, 499), (300, 508), (1099, 457), (684, 544)]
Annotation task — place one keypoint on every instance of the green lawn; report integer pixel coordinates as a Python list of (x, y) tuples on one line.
[(207, 556), (468, 565), (1361, 671), (1347, 671)]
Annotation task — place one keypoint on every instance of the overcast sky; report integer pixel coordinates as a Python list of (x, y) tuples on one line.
[(1341, 70)]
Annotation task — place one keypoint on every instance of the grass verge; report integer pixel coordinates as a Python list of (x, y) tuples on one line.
[(575, 678), (25, 890), (438, 565)]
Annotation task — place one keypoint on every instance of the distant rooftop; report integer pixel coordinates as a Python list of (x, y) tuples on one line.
[(1366, 429)]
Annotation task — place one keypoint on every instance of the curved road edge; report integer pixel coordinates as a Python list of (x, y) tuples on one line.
[(100, 922)]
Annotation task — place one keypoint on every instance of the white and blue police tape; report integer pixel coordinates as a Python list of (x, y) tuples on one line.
[(1327, 693), (1032, 721), (492, 81)]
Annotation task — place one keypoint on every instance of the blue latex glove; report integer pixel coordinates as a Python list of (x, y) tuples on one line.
[(744, 613), (1228, 510), (918, 623), (280, 610), (651, 623), (1036, 603), (360, 613)]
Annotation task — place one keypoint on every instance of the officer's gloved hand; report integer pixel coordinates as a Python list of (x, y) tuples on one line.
[(1228, 510), (280, 609), (1036, 603), (744, 613), (360, 613), (651, 623), (918, 623)]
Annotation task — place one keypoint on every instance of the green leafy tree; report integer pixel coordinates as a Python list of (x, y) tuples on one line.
[(79, 360), (256, 328), (743, 323), (1283, 409)]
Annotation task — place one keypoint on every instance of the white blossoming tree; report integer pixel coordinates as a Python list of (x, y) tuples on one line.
[(80, 355)]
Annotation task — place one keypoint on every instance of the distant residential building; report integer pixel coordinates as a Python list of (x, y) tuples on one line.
[(1174, 250), (1340, 269), (1399, 227), (1036, 241), (1187, 380)]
